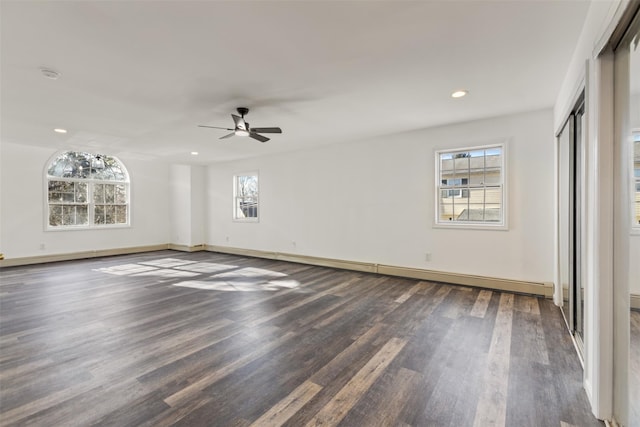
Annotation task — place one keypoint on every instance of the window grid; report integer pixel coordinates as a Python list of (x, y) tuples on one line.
[(246, 197), (86, 190), (470, 186)]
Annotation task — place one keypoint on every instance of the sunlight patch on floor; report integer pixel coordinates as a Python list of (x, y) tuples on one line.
[(239, 285), (228, 277)]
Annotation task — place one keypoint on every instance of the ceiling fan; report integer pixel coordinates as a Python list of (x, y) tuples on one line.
[(242, 127)]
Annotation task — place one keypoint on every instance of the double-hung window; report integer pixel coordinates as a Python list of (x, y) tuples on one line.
[(245, 197), (471, 186), (86, 190)]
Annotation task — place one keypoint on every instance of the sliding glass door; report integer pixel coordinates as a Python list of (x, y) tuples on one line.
[(570, 179)]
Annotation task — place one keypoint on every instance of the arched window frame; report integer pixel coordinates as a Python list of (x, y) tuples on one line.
[(86, 191)]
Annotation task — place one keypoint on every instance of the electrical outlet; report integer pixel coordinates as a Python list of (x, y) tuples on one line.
[(43, 246), (293, 243), (427, 256), (227, 238)]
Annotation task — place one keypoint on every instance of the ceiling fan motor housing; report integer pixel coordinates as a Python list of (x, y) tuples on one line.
[(242, 111)]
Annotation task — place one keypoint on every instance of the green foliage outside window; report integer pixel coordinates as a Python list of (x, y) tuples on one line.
[(85, 190)]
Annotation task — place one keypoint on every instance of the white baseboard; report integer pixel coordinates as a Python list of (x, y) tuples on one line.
[(533, 288), (635, 301), (40, 259), (509, 285), (185, 248)]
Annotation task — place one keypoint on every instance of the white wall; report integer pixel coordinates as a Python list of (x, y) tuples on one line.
[(23, 203), (373, 201), (180, 190), (186, 186)]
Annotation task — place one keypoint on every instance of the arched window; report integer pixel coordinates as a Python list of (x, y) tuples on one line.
[(87, 190)]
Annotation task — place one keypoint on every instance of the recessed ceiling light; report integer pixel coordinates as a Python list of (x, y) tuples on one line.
[(194, 153), (459, 93), (58, 130), (50, 74)]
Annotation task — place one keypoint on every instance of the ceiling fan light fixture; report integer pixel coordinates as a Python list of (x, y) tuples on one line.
[(241, 132)]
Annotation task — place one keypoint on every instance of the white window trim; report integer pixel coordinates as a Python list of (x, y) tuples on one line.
[(233, 201), (470, 225), (90, 182)]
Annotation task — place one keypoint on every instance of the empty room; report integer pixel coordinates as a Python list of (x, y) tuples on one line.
[(303, 213)]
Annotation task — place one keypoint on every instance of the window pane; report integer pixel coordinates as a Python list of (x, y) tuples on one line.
[(110, 214), (462, 165), (248, 208), (446, 162), (109, 193), (494, 160), (81, 192), (55, 215), (493, 177), (99, 214), (98, 193), (446, 210), (121, 215), (477, 178), (68, 197), (477, 162), (82, 215), (69, 215), (120, 194)]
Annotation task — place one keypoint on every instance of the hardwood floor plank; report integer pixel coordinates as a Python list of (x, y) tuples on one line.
[(412, 290), (341, 403), (208, 379), (480, 307), (530, 343), (527, 304), (347, 357), (492, 407), (288, 406), (171, 416), (378, 409)]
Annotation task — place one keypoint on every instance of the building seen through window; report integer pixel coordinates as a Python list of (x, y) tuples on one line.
[(471, 186)]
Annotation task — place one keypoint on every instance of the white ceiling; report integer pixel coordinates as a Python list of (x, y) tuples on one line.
[(137, 77)]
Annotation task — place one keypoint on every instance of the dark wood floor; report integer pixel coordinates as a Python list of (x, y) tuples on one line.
[(171, 338)]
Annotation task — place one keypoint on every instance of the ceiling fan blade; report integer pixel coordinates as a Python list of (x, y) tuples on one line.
[(228, 135), (258, 137), (213, 127), (266, 130), (239, 121)]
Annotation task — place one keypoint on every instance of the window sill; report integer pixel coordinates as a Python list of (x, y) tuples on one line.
[(472, 226), (88, 228), (254, 220)]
